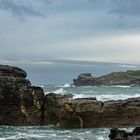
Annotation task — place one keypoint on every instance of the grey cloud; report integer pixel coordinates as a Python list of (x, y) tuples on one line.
[(120, 7), (20, 9), (126, 7)]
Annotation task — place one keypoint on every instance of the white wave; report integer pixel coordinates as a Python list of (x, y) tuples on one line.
[(81, 96), (42, 86), (103, 97), (66, 86), (101, 138), (121, 86), (47, 93), (59, 91)]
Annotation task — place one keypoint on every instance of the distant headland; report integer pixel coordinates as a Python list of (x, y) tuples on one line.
[(128, 78)]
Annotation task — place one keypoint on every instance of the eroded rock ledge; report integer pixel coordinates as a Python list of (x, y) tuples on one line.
[(23, 104)]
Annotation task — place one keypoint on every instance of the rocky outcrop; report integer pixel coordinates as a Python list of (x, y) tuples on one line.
[(84, 79), (17, 95), (11, 80), (116, 134), (90, 113), (130, 77), (23, 104)]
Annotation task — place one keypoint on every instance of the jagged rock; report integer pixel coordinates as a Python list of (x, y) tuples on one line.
[(130, 77)]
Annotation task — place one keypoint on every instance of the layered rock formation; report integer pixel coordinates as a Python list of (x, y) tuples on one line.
[(11, 80), (130, 77), (16, 95), (90, 113)]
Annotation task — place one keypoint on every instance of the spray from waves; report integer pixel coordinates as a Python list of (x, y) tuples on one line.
[(42, 86), (103, 97), (58, 91), (66, 86)]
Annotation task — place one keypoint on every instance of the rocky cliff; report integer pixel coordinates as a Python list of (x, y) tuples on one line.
[(23, 104), (130, 77), (13, 83)]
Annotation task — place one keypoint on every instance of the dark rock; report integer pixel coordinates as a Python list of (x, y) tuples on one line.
[(69, 95), (16, 94), (136, 131), (116, 134), (53, 107), (32, 102), (6, 70), (84, 79), (90, 113)]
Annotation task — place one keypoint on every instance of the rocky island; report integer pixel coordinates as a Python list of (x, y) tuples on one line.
[(128, 78), (24, 104)]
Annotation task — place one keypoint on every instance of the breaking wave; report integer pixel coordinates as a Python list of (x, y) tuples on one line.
[(121, 86), (66, 86), (60, 91), (103, 97)]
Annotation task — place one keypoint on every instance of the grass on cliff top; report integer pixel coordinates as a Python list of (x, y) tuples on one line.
[(116, 76), (134, 73)]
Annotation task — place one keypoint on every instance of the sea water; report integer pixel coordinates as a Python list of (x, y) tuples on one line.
[(102, 93)]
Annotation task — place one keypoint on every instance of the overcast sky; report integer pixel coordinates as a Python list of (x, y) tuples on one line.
[(94, 30)]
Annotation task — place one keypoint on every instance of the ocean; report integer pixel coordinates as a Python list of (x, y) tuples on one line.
[(102, 93)]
